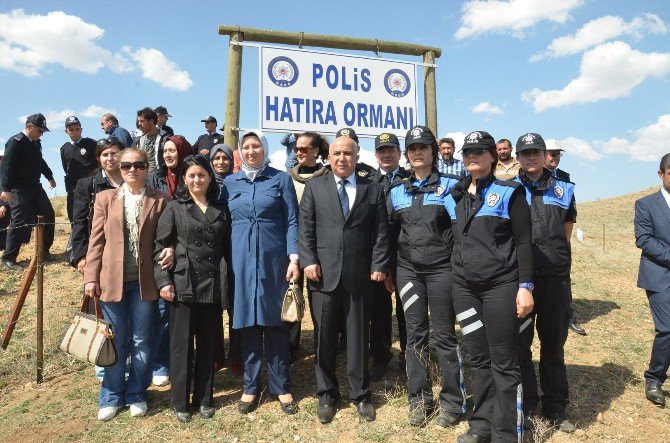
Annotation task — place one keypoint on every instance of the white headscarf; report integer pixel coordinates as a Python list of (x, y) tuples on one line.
[(251, 171)]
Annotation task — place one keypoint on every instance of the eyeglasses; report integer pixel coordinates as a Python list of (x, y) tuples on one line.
[(107, 141), (126, 166), (302, 150), (554, 154), (473, 151)]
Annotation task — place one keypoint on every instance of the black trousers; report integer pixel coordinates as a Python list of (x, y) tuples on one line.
[(551, 318), (26, 201), (4, 223), (487, 316), (421, 292), (330, 310), (402, 328), (381, 324), (202, 322), (69, 201)]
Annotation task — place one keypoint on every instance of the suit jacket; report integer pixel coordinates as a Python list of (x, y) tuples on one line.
[(346, 250), (652, 235), (104, 259)]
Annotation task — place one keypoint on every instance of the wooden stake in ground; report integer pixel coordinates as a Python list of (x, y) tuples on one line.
[(39, 253)]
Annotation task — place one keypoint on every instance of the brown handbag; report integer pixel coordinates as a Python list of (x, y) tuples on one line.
[(293, 307), (88, 337)]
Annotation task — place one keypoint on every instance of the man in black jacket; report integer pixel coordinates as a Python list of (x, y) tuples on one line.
[(343, 248), (163, 115), (210, 138), (5, 213), (21, 169), (78, 159)]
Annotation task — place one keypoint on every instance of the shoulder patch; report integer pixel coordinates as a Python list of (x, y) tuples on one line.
[(19, 136)]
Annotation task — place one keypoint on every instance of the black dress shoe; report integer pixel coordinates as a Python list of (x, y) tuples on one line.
[(49, 257), (378, 370), (576, 327), (206, 412), (246, 407), (560, 421), (325, 413), (654, 393), (417, 416), (289, 408), (183, 417), (469, 437), (12, 265), (366, 410), (446, 419)]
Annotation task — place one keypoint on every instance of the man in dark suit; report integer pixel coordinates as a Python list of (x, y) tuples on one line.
[(652, 235), (343, 249)]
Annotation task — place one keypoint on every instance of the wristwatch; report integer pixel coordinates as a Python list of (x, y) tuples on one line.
[(529, 286)]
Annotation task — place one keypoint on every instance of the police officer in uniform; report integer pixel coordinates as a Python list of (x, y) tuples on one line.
[(553, 213), (163, 115), (424, 280), (210, 138), (492, 264), (78, 159), (21, 170), (387, 152)]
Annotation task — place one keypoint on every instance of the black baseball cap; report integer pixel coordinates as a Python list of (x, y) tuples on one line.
[(347, 132), (39, 121), (479, 139), (530, 141), (209, 118), (420, 134), (72, 120), (162, 110), (386, 139)]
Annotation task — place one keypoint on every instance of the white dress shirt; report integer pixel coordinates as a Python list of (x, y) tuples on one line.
[(666, 195), (349, 188)]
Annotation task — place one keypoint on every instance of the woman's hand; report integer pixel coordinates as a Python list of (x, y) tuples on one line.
[(80, 265), (92, 289), (524, 302), (166, 259), (167, 292), (293, 271)]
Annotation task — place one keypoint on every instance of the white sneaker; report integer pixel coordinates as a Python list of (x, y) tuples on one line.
[(138, 409), (160, 380), (108, 413)]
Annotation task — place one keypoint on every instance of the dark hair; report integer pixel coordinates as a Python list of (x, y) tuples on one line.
[(317, 141), (447, 140), (148, 114), (504, 140), (665, 163), (182, 193), (143, 154), (435, 151)]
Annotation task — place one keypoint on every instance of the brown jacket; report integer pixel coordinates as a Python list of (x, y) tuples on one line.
[(104, 259)]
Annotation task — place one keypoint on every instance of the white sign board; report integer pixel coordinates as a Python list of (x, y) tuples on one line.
[(324, 92)]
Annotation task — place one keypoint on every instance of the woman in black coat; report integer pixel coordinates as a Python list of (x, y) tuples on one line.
[(197, 227)]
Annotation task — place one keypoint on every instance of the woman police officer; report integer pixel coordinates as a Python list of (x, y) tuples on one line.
[(492, 265)]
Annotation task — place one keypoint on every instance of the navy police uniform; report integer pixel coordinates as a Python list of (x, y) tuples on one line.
[(492, 254), (21, 169), (424, 281), (78, 159), (552, 203)]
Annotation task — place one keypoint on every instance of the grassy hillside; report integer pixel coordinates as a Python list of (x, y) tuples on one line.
[(605, 368)]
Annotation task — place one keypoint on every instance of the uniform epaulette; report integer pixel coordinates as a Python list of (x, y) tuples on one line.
[(19, 136)]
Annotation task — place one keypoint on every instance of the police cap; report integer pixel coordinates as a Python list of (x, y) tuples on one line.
[(39, 121), (386, 139), (72, 120), (479, 139), (530, 141), (347, 132), (162, 110), (209, 119), (420, 134)]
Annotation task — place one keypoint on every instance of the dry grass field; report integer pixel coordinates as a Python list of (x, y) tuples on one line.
[(605, 368)]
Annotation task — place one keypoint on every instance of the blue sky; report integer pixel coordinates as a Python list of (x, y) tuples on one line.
[(593, 74)]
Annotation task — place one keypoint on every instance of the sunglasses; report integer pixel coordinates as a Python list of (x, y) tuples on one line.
[(126, 166), (105, 141), (302, 150), (473, 151), (194, 157)]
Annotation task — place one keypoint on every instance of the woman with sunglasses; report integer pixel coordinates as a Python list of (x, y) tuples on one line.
[(119, 270), (424, 280), (167, 179), (264, 212), (197, 227), (492, 264)]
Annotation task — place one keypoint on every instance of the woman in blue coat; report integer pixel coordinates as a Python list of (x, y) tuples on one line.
[(264, 213)]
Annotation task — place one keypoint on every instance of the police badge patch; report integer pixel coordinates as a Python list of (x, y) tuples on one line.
[(493, 199), (558, 191), (82, 151), (439, 191), (416, 132), (474, 137)]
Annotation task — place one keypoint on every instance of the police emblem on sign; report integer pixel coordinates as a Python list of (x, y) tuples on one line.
[(397, 83), (528, 139), (473, 137), (283, 71), (558, 191), (493, 199), (439, 191)]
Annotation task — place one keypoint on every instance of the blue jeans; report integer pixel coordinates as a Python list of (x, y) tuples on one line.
[(133, 321), (659, 302), (161, 360)]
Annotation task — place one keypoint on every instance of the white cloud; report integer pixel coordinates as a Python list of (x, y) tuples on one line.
[(29, 43), (56, 119), (580, 149), (94, 111), (487, 108), (278, 159), (155, 66), (513, 16), (599, 31), (608, 71), (650, 144)]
